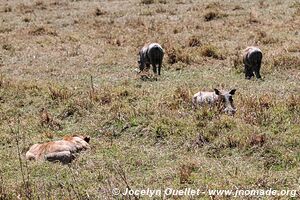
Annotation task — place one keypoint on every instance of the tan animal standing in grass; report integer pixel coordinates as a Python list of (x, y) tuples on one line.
[(252, 57), (61, 150), (223, 99)]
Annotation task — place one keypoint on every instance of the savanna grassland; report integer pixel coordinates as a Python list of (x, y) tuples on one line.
[(68, 67)]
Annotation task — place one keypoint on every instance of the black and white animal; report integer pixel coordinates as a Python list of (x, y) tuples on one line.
[(151, 54), (252, 57), (221, 99)]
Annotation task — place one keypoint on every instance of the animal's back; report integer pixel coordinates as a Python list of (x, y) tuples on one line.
[(155, 53), (156, 45), (252, 55), (204, 97)]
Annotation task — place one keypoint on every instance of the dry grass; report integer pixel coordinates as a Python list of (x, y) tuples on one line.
[(210, 51), (194, 41), (177, 54), (68, 67)]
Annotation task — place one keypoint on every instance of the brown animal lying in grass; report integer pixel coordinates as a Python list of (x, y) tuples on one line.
[(61, 150), (223, 99)]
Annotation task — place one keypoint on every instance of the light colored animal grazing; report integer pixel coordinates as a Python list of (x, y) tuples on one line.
[(61, 150), (151, 54), (222, 99), (252, 57)]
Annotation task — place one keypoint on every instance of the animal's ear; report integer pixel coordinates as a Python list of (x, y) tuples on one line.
[(232, 92), (87, 139), (217, 92)]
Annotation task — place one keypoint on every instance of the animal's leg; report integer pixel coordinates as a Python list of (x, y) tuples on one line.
[(248, 72), (257, 69), (63, 156), (159, 67), (154, 69)]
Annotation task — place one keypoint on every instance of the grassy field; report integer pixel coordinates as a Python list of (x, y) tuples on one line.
[(74, 61)]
